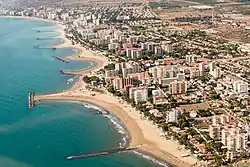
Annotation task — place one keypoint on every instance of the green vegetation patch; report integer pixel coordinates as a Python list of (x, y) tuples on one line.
[(205, 1), (163, 5), (245, 12)]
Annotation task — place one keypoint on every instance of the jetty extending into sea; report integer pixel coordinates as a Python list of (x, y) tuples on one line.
[(76, 73), (45, 38), (41, 31), (31, 100), (38, 47), (64, 60), (102, 153)]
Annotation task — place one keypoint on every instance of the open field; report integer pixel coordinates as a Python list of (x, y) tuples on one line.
[(183, 2), (187, 12), (198, 106)]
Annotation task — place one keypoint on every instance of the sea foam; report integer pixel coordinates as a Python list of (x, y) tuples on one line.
[(161, 163), (114, 121)]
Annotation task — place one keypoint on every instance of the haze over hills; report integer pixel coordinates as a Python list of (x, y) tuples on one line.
[(69, 3)]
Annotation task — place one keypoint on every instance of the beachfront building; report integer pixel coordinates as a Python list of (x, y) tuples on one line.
[(113, 46), (173, 115), (121, 83), (138, 94)]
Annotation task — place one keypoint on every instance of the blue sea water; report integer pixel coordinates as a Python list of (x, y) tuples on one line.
[(44, 135)]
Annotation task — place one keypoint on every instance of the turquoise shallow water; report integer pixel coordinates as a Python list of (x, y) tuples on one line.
[(43, 136)]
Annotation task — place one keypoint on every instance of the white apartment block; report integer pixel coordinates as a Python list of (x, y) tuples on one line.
[(212, 67), (134, 66), (190, 59), (217, 72), (229, 133), (240, 87), (138, 94), (215, 131), (112, 46), (202, 67), (174, 115), (237, 142), (133, 53), (220, 119), (167, 47), (158, 50), (164, 71), (167, 81)]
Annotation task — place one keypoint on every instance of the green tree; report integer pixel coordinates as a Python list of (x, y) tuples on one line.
[(110, 66), (183, 139)]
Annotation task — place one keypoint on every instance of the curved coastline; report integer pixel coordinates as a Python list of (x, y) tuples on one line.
[(133, 127), (126, 138)]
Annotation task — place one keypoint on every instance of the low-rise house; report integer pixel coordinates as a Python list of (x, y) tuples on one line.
[(156, 113)]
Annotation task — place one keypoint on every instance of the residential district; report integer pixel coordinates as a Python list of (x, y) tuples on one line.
[(181, 73)]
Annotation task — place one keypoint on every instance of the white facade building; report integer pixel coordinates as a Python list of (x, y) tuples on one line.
[(138, 94), (174, 115), (240, 87)]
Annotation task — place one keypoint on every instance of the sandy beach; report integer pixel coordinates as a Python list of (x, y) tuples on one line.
[(142, 131), (83, 54)]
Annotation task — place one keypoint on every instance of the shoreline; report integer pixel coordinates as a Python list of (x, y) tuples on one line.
[(97, 62), (126, 137), (140, 131)]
